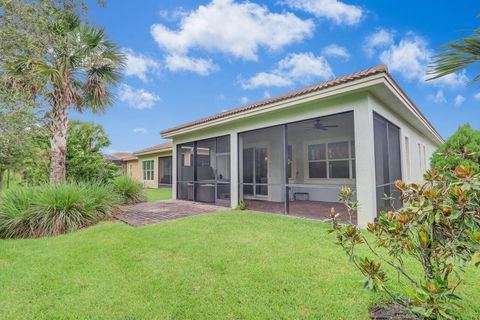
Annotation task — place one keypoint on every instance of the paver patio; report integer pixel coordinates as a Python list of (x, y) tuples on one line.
[(152, 212)]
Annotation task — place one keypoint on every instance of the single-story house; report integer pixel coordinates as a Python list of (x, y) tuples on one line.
[(152, 166), (294, 152), (118, 159)]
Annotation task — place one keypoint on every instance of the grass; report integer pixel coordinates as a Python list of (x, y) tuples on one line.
[(152, 195), (229, 265)]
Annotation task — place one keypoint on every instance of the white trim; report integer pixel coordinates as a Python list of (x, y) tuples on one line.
[(154, 151), (345, 88), (348, 87)]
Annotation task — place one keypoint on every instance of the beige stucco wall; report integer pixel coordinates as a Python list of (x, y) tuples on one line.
[(152, 156), (132, 169)]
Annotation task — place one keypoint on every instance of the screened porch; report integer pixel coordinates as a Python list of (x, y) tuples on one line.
[(298, 168)]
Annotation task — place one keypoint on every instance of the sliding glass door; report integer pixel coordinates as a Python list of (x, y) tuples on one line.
[(164, 172), (255, 172), (204, 171)]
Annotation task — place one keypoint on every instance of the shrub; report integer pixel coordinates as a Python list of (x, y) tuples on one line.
[(53, 209), (129, 190), (462, 148), (438, 227), (242, 205)]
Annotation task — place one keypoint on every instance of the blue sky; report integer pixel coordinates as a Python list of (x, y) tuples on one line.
[(190, 59)]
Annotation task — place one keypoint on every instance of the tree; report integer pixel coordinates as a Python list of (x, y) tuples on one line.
[(19, 127), (438, 229), (456, 56), (84, 160), (66, 62), (464, 142)]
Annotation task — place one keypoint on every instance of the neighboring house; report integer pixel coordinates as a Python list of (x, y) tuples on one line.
[(295, 151), (132, 168), (118, 158), (153, 166)]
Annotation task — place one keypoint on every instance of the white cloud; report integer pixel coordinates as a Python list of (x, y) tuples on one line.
[(265, 79), (477, 96), (175, 15), (236, 29), (139, 65), (380, 39), (296, 67), (453, 80), (266, 95), (338, 11), (459, 100), (137, 98), (438, 97), (243, 100), (140, 130), (336, 51), (179, 62), (410, 58)]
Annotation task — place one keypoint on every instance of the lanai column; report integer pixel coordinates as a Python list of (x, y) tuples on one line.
[(365, 162), (174, 171), (234, 170)]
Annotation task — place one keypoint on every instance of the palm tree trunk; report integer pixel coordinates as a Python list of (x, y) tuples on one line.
[(58, 141), (1, 179)]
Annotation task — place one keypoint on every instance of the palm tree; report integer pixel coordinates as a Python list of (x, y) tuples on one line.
[(456, 56), (77, 71)]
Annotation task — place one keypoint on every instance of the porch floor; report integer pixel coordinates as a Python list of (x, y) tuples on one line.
[(319, 210), (145, 213)]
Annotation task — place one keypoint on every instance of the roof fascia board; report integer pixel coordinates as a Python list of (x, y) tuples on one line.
[(349, 87)]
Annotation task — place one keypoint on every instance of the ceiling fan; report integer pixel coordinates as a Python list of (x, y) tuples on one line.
[(317, 125)]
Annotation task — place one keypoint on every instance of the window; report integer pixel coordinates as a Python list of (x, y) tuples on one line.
[(424, 158), (407, 158), (148, 171), (333, 160), (420, 160)]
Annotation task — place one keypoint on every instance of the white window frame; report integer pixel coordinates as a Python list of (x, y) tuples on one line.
[(425, 166), (408, 158), (420, 160), (326, 142), (148, 173)]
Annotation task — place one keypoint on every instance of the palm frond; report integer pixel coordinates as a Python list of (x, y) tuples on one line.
[(456, 56), (26, 66)]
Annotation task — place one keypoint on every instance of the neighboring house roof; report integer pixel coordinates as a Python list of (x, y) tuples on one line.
[(110, 157), (157, 148), (122, 155), (380, 69)]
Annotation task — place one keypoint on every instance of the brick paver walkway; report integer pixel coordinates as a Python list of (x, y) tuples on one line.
[(152, 212)]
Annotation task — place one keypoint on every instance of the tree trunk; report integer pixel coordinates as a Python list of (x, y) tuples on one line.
[(1, 179), (8, 178), (58, 141)]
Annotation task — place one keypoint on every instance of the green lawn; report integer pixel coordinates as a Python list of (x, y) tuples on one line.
[(229, 265), (158, 194)]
